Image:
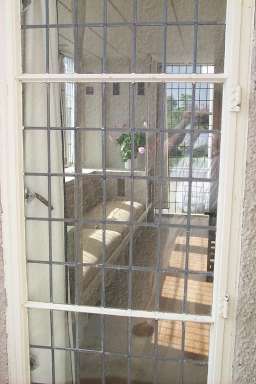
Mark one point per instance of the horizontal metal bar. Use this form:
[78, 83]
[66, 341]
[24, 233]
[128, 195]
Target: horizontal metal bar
[169, 131]
[121, 354]
[125, 175]
[120, 312]
[123, 24]
[133, 268]
[121, 78]
[135, 224]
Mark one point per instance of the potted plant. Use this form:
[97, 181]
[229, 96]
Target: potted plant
[125, 142]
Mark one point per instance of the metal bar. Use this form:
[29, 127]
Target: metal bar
[121, 312]
[142, 225]
[118, 129]
[120, 354]
[122, 24]
[104, 166]
[110, 176]
[124, 268]
[122, 78]
[49, 222]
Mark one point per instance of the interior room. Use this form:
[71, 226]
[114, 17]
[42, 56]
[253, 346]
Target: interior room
[127, 172]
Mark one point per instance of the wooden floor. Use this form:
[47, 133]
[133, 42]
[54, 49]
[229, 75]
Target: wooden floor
[170, 333]
[199, 298]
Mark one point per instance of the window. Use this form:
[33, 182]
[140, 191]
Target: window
[107, 258]
[116, 89]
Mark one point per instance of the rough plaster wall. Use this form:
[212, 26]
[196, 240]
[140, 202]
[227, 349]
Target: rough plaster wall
[244, 367]
[3, 338]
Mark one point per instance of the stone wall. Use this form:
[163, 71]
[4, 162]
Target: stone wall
[244, 365]
[3, 337]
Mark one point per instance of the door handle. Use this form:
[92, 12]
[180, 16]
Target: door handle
[29, 196]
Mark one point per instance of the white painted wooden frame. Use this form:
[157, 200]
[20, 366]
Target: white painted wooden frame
[234, 131]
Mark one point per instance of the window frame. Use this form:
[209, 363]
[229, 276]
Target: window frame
[239, 29]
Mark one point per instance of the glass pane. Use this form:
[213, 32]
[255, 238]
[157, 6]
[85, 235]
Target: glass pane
[172, 247]
[35, 161]
[143, 290]
[90, 285]
[168, 371]
[63, 11]
[39, 336]
[120, 11]
[214, 11]
[90, 50]
[61, 41]
[63, 284]
[33, 12]
[37, 240]
[169, 339]
[149, 49]
[147, 11]
[179, 105]
[116, 367]
[90, 11]
[195, 373]
[181, 10]
[211, 46]
[90, 367]
[34, 45]
[143, 337]
[63, 324]
[118, 111]
[90, 336]
[38, 282]
[199, 294]
[197, 338]
[171, 292]
[118, 49]
[116, 288]
[179, 48]
[116, 334]
[64, 364]
[142, 368]
[41, 365]
[36, 196]
[35, 116]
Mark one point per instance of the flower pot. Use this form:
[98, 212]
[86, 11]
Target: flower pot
[127, 164]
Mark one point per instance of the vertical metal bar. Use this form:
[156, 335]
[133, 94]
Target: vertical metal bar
[104, 184]
[50, 223]
[134, 38]
[165, 32]
[160, 200]
[77, 211]
[132, 95]
[75, 25]
[105, 37]
[78, 184]
[183, 335]
[47, 49]
[104, 211]
[196, 8]
[155, 378]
